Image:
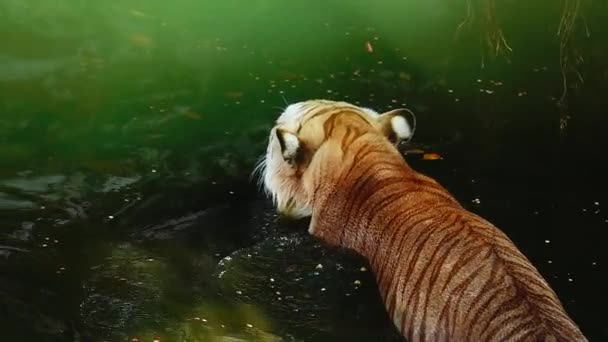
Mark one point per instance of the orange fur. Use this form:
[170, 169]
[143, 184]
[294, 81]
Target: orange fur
[444, 273]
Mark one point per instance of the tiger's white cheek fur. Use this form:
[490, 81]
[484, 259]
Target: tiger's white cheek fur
[284, 185]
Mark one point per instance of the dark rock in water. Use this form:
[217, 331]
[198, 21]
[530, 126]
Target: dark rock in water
[24, 321]
[7, 251]
[24, 232]
[35, 185]
[210, 219]
[115, 183]
[30, 306]
[8, 202]
[202, 217]
[174, 227]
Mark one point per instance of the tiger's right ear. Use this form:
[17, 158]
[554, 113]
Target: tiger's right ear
[290, 145]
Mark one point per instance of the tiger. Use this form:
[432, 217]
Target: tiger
[443, 272]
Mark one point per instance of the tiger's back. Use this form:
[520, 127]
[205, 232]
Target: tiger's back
[456, 276]
[459, 277]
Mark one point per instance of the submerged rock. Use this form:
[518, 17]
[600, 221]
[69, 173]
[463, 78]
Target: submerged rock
[123, 293]
[307, 290]
[135, 295]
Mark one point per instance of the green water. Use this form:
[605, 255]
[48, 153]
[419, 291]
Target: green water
[129, 129]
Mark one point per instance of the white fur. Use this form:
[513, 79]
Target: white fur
[289, 117]
[280, 182]
[401, 127]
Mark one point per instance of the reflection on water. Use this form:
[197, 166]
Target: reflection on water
[128, 132]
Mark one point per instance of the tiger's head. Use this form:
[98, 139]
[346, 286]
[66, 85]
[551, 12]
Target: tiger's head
[298, 149]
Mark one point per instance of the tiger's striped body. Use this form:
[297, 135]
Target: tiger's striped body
[444, 273]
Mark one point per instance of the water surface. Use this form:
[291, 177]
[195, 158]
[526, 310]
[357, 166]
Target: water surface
[129, 131]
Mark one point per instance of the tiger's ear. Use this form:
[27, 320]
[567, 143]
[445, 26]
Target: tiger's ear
[398, 124]
[290, 145]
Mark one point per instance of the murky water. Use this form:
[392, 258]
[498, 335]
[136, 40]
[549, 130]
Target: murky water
[129, 130]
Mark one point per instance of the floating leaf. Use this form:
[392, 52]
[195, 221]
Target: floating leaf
[431, 156]
[414, 151]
